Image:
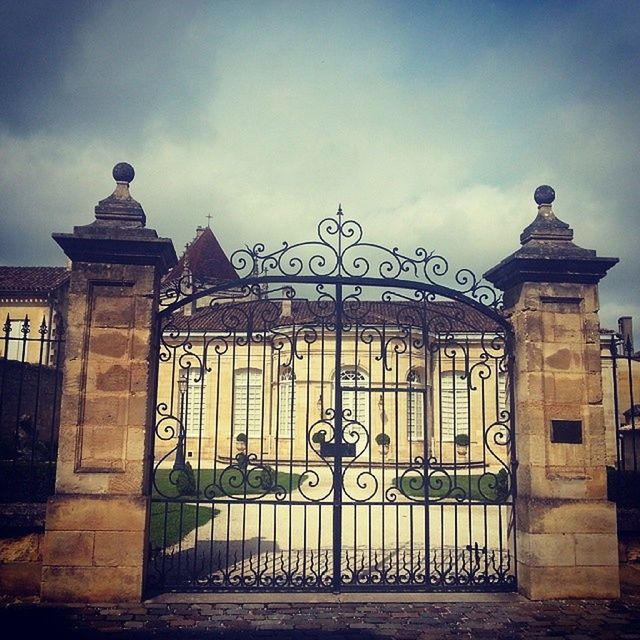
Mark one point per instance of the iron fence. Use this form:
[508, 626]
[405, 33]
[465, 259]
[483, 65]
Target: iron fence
[30, 394]
[626, 402]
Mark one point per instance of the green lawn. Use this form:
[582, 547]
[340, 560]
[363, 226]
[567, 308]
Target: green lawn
[172, 521]
[230, 481]
[178, 518]
[488, 488]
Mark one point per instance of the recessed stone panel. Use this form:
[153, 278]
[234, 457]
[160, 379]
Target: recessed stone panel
[566, 431]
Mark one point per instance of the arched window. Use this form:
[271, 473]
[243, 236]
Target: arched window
[286, 403]
[415, 405]
[247, 402]
[454, 405]
[192, 399]
[355, 402]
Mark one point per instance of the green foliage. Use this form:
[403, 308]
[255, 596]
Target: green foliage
[319, 437]
[383, 439]
[502, 486]
[227, 481]
[462, 440]
[486, 488]
[268, 477]
[186, 481]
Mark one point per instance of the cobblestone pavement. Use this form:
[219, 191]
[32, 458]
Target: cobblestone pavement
[503, 619]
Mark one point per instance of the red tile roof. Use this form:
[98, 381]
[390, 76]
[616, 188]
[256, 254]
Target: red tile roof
[205, 259]
[32, 279]
[260, 315]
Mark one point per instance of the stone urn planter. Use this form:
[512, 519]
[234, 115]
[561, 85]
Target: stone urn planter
[383, 441]
[241, 442]
[462, 445]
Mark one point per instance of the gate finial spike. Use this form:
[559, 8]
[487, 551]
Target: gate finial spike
[340, 209]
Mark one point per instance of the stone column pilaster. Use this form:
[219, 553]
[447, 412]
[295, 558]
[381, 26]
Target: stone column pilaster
[95, 536]
[565, 527]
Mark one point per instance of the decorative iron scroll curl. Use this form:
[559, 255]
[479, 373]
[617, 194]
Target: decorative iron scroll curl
[341, 251]
[440, 484]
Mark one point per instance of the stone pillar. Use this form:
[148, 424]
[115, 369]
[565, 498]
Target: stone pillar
[95, 537]
[565, 527]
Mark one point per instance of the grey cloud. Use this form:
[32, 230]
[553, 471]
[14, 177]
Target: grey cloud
[102, 68]
[37, 40]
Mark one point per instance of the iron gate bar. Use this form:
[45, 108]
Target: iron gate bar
[337, 459]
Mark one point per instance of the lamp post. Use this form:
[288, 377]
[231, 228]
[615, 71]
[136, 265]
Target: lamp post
[183, 383]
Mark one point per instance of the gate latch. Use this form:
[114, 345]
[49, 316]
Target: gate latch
[333, 450]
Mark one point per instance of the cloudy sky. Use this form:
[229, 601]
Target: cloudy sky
[432, 122]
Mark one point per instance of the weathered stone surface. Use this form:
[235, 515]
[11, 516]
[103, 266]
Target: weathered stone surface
[68, 548]
[106, 409]
[106, 342]
[113, 308]
[20, 578]
[112, 377]
[545, 583]
[596, 549]
[91, 584]
[561, 515]
[118, 548]
[102, 448]
[547, 549]
[96, 513]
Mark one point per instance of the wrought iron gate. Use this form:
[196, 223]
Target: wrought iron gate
[334, 419]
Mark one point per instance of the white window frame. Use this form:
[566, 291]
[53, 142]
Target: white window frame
[454, 405]
[415, 405]
[356, 401]
[247, 402]
[194, 400]
[286, 403]
[16, 341]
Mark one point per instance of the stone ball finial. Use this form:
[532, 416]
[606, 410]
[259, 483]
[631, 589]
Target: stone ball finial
[544, 194]
[123, 172]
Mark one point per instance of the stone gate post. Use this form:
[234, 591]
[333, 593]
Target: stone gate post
[95, 526]
[565, 527]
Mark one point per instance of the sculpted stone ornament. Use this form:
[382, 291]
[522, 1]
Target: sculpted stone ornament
[544, 194]
[120, 208]
[118, 235]
[548, 253]
[123, 172]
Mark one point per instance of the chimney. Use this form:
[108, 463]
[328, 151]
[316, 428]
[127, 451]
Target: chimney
[625, 329]
[286, 302]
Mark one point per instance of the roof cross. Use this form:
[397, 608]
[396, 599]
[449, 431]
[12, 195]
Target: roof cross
[209, 216]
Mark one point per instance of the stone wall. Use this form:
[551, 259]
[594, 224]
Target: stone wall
[21, 537]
